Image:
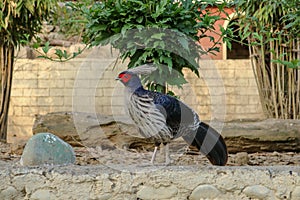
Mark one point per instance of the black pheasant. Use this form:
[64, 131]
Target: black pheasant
[163, 118]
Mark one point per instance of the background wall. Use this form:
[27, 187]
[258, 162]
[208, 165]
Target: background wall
[87, 84]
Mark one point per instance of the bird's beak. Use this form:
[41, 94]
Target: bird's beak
[117, 78]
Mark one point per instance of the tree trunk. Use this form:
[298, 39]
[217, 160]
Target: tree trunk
[6, 63]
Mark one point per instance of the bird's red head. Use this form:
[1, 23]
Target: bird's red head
[124, 77]
[129, 79]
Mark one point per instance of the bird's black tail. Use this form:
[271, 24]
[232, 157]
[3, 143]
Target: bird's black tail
[209, 142]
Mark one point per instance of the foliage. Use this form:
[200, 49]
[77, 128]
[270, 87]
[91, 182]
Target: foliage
[272, 29]
[70, 23]
[69, 20]
[20, 20]
[150, 31]
[60, 55]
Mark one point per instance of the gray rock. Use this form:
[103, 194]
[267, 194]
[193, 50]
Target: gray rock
[43, 194]
[241, 158]
[9, 193]
[105, 197]
[46, 148]
[102, 130]
[148, 192]
[296, 193]
[204, 192]
[257, 191]
[263, 135]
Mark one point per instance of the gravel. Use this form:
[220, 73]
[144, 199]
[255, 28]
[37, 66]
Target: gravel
[181, 157]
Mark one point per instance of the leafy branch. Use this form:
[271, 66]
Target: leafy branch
[61, 55]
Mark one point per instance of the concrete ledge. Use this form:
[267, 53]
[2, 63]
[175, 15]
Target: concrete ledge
[148, 182]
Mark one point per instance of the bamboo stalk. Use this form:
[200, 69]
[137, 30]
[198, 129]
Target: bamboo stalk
[275, 105]
[293, 95]
[278, 78]
[10, 66]
[258, 78]
[264, 82]
[284, 81]
[4, 77]
[2, 59]
[289, 93]
[294, 79]
[7, 61]
[298, 79]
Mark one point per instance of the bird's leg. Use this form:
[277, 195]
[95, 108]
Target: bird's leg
[154, 154]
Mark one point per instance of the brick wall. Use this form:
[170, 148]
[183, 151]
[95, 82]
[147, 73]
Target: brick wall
[87, 84]
[236, 91]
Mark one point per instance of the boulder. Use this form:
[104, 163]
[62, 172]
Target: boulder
[262, 135]
[46, 148]
[85, 129]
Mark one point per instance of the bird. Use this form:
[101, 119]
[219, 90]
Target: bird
[162, 118]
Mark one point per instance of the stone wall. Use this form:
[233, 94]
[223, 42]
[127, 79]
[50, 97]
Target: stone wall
[87, 84]
[132, 182]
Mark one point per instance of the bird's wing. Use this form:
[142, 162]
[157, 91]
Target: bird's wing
[148, 117]
[179, 117]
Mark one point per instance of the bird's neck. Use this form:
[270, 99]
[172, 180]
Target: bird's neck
[134, 84]
[135, 89]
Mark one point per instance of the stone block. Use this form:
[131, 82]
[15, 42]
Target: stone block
[71, 75]
[43, 74]
[9, 193]
[15, 110]
[20, 83]
[61, 92]
[228, 73]
[148, 192]
[296, 193]
[103, 101]
[50, 101]
[44, 83]
[43, 194]
[205, 192]
[22, 120]
[35, 92]
[257, 192]
[68, 100]
[69, 83]
[84, 92]
[31, 110]
[17, 92]
[30, 75]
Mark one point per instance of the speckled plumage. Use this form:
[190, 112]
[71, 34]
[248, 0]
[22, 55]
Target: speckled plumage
[160, 116]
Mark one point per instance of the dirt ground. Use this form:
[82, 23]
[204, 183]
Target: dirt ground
[182, 156]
